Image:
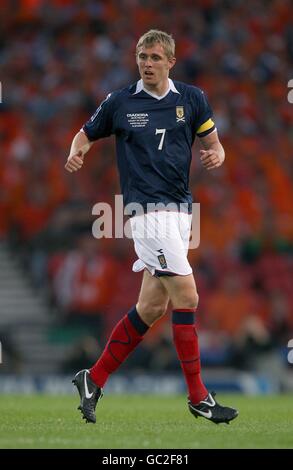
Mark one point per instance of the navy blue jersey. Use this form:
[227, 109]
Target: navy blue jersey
[153, 139]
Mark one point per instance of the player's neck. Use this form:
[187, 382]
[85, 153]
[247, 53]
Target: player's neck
[159, 89]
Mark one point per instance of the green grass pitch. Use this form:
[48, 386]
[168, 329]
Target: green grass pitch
[143, 422]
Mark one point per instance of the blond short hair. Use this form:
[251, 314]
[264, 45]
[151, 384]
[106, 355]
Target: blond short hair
[155, 36]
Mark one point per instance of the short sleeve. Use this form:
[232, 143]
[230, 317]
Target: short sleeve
[101, 123]
[204, 122]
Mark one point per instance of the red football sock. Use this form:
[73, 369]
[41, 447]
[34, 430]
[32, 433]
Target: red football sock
[126, 335]
[186, 342]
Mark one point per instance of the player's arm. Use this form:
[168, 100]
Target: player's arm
[99, 125]
[213, 155]
[79, 147]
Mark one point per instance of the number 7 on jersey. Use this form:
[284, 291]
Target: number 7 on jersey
[163, 132]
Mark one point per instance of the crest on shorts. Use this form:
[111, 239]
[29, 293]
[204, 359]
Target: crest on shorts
[180, 114]
[162, 260]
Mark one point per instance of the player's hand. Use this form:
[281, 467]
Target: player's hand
[211, 159]
[74, 162]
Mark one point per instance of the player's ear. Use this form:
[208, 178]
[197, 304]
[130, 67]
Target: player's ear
[172, 62]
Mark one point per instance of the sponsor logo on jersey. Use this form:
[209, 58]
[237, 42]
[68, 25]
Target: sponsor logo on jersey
[180, 114]
[138, 119]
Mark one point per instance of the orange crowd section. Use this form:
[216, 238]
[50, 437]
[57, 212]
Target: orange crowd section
[59, 59]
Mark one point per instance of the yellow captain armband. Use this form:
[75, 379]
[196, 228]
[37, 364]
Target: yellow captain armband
[206, 128]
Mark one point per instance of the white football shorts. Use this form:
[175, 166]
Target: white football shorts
[161, 240]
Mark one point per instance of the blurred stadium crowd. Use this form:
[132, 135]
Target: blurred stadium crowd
[59, 59]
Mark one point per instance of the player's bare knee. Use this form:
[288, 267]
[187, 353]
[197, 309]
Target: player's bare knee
[151, 312]
[186, 301]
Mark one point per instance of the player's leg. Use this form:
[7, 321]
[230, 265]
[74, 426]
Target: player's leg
[181, 290]
[153, 299]
[183, 294]
[126, 335]
[184, 298]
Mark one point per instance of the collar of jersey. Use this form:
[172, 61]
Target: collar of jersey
[140, 87]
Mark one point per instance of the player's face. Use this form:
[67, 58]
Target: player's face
[154, 65]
